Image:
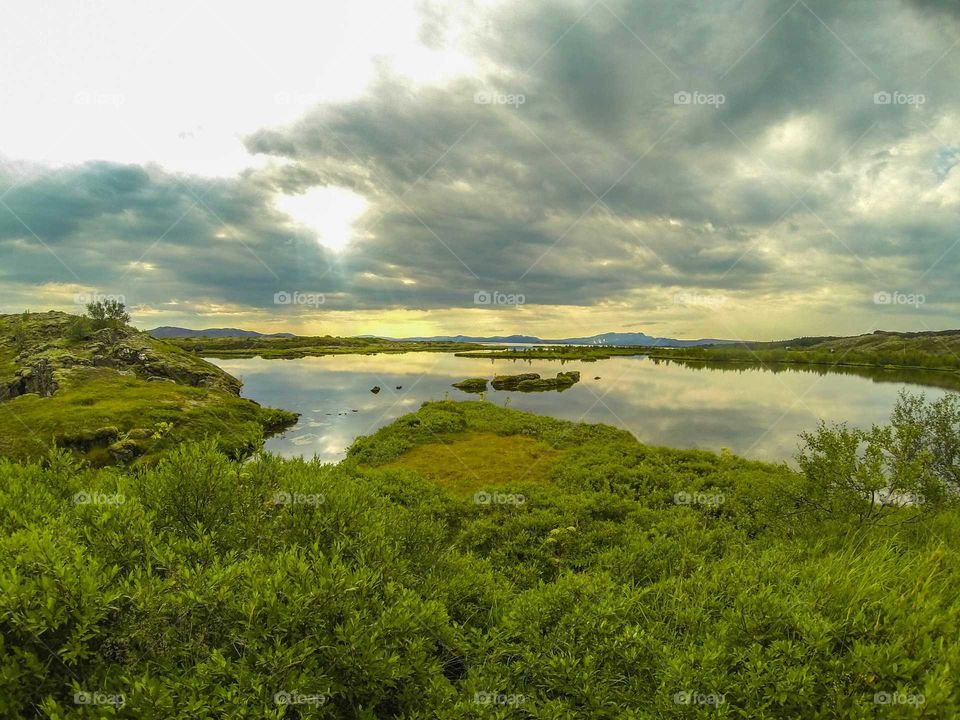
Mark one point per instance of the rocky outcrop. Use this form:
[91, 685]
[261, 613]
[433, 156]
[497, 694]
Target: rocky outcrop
[37, 379]
[49, 347]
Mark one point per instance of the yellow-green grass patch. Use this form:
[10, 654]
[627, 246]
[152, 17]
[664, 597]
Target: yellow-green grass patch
[480, 461]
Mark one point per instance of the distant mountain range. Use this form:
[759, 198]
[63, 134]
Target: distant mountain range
[602, 339]
[612, 338]
[168, 331]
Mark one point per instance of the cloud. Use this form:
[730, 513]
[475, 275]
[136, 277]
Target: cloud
[606, 154]
[948, 7]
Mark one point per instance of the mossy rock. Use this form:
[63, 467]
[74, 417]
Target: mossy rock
[512, 382]
[106, 433]
[140, 434]
[125, 450]
[472, 385]
[562, 381]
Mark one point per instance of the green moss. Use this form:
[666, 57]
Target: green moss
[94, 397]
[472, 385]
[101, 403]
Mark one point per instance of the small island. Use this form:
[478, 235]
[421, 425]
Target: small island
[532, 382]
[472, 385]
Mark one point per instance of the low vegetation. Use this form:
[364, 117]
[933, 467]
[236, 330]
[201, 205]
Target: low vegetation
[305, 346]
[934, 355]
[470, 561]
[112, 394]
[926, 351]
[583, 353]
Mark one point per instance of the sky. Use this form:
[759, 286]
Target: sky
[744, 169]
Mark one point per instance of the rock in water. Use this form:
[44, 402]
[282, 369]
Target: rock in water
[472, 385]
[511, 382]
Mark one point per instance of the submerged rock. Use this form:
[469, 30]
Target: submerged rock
[472, 385]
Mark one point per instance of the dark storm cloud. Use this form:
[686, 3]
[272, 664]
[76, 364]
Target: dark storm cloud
[569, 172]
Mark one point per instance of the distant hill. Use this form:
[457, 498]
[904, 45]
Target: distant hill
[167, 332]
[612, 338]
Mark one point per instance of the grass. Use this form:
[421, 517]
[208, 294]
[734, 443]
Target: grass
[305, 346]
[116, 395]
[191, 591]
[931, 351]
[583, 353]
[94, 398]
[480, 461]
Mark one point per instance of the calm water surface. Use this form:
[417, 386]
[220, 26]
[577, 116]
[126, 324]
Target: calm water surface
[752, 411]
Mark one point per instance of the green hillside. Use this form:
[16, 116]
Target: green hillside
[114, 394]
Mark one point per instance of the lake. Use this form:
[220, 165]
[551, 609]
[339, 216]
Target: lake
[753, 411]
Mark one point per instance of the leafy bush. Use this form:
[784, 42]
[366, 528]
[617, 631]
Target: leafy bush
[108, 313]
[210, 587]
[890, 473]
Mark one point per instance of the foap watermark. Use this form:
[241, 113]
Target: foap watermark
[99, 99]
[899, 98]
[284, 297]
[96, 697]
[485, 697]
[86, 497]
[699, 498]
[298, 698]
[282, 497]
[883, 297]
[693, 299]
[493, 97]
[691, 697]
[695, 97]
[495, 297]
[497, 498]
[95, 297]
[898, 698]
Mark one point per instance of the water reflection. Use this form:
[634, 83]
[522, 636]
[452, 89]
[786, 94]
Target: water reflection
[755, 411]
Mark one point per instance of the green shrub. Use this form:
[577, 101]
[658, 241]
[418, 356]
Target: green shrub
[209, 587]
